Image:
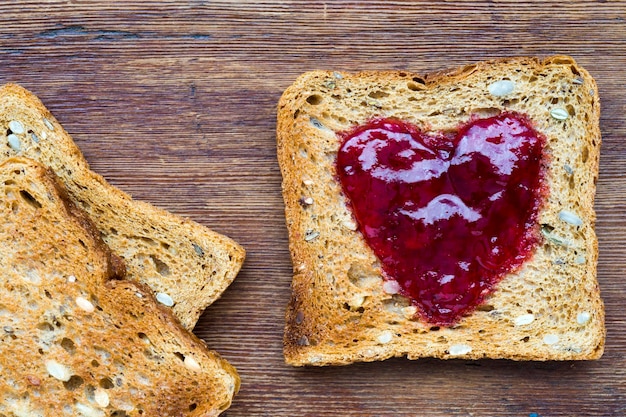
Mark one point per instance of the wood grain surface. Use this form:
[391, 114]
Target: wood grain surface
[174, 102]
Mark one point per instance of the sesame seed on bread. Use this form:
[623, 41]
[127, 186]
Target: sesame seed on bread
[343, 308]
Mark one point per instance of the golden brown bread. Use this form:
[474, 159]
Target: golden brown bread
[340, 311]
[187, 265]
[75, 338]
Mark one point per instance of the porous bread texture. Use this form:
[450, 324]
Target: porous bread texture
[73, 340]
[340, 311]
[182, 261]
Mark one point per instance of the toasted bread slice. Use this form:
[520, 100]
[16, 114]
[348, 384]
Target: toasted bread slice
[186, 264]
[340, 310]
[76, 341]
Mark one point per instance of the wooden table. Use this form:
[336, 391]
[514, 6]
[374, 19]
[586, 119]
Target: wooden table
[174, 102]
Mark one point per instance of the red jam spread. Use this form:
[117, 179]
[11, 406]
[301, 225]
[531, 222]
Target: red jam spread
[447, 214]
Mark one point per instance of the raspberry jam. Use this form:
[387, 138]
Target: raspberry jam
[448, 215]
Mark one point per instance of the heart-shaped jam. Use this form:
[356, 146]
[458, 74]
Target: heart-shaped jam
[447, 214]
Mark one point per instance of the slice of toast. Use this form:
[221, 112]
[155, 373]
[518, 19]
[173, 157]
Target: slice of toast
[74, 339]
[186, 264]
[344, 308]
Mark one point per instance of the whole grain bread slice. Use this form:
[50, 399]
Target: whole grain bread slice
[340, 312]
[187, 265]
[75, 337]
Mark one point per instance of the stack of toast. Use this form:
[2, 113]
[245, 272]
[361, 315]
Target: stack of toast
[100, 291]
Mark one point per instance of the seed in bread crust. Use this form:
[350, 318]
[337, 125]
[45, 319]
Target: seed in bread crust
[88, 411]
[14, 142]
[58, 371]
[571, 218]
[568, 169]
[524, 319]
[191, 364]
[16, 127]
[559, 114]
[198, 249]
[317, 123]
[550, 339]
[85, 304]
[583, 318]
[311, 235]
[101, 397]
[459, 349]
[48, 124]
[409, 312]
[299, 317]
[391, 287]
[558, 240]
[357, 301]
[501, 88]
[350, 225]
[385, 337]
[164, 299]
